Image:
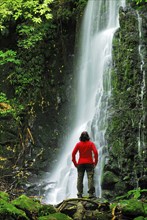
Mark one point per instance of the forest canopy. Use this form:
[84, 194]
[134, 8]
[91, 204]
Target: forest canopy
[23, 23]
[27, 16]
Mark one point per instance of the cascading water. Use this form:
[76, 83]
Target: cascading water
[94, 89]
[141, 142]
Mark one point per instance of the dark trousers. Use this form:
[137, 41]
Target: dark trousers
[89, 168]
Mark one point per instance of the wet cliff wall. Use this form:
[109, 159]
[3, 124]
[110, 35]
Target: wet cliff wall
[127, 131]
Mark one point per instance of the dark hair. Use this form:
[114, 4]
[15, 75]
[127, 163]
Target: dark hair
[84, 136]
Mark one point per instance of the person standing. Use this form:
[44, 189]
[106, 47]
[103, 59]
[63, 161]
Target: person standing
[88, 159]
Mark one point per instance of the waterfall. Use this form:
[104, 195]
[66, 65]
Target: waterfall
[141, 142]
[93, 91]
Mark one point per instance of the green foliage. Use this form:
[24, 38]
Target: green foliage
[30, 38]
[8, 56]
[3, 98]
[25, 74]
[30, 35]
[10, 107]
[70, 9]
[139, 1]
[28, 76]
[135, 193]
[31, 14]
[30, 20]
[25, 9]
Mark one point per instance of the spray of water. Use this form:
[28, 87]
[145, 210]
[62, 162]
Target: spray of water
[93, 91]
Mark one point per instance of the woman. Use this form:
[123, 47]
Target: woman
[88, 159]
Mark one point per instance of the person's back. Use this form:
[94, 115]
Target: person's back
[88, 158]
[86, 150]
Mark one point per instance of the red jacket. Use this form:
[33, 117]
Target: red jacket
[86, 150]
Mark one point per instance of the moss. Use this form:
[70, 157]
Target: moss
[102, 216]
[120, 188]
[145, 208]
[33, 206]
[132, 207]
[109, 180]
[140, 218]
[26, 203]
[9, 211]
[4, 196]
[56, 216]
[46, 210]
[117, 148]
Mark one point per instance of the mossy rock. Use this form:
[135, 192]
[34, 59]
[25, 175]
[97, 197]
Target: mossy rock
[145, 208]
[120, 187]
[31, 206]
[46, 210]
[133, 208]
[28, 204]
[109, 180]
[94, 215]
[9, 211]
[140, 218]
[4, 196]
[55, 216]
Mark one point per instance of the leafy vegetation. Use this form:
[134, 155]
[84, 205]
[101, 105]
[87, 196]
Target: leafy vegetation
[11, 107]
[138, 4]
[135, 193]
[31, 32]
[9, 56]
[139, 1]
[31, 10]
[29, 21]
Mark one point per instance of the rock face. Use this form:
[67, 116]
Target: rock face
[127, 133]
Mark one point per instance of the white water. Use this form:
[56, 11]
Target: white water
[141, 142]
[93, 91]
